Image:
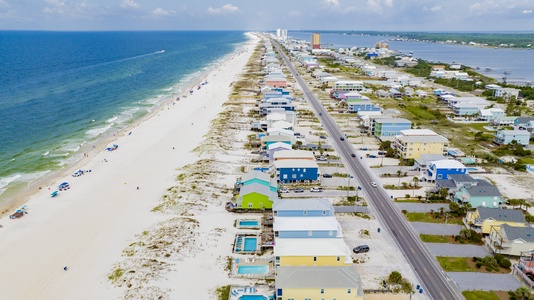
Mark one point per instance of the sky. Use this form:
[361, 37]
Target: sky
[379, 15]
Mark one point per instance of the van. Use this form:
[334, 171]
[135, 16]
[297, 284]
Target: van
[361, 249]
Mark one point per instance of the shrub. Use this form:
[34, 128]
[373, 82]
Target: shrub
[395, 278]
[404, 211]
[478, 265]
[505, 263]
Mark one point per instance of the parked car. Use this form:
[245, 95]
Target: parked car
[284, 190]
[382, 152]
[320, 114]
[322, 137]
[374, 184]
[353, 155]
[327, 175]
[364, 149]
[361, 249]
[372, 156]
[342, 138]
[322, 158]
[299, 190]
[316, 189]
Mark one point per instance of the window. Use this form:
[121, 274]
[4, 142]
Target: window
[324, 212]
[250, 204]
[315, 258]
[338, 258]
[305, 212]
[261, 204]
[310, 233]
[294, 176]
[440, 176]
[349, 291]
[330, 233]
[304, 170]
[322, 291]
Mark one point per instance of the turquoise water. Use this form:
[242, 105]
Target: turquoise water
[248, 223]
[252, 297]
[252, 269]
[61, 91]
[251, 244]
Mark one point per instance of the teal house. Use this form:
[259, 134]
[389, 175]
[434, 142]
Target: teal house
[480, 193]
[260, 178]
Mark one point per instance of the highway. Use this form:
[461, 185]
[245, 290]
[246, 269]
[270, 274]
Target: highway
[435, 282]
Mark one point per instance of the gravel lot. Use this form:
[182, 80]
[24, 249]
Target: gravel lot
[441, 229]
[485, 282]
[453, 250]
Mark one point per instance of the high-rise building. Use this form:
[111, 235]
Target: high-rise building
[316, 41]
[281, 33]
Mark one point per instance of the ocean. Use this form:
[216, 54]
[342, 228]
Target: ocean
[62, 91]
[517, 63]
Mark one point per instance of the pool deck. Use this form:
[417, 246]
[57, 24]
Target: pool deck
[252, 261]
[239, 247]
[237, 291]
[257, 226]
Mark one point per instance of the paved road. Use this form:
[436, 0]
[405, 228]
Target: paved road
[456, 250]
[441, 229]
[485, 282]
[437, 285]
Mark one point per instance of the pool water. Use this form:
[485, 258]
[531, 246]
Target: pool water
[252, 297]
[248, 223]
[251, 244]
[252, 269]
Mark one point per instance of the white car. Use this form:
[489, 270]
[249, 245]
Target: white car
[374, 184]
[284, 190]
[316, 189]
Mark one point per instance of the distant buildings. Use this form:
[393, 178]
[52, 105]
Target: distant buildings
[316, 41]
[281, 33]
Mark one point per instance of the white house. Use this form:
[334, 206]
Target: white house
[490, 114]
[505, 137]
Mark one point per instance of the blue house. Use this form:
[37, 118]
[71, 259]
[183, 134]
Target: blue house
[481, 193]
[442, 169]
[505, 137]
[309, 227]
[296, 170]
[390, 126]
[303, 208]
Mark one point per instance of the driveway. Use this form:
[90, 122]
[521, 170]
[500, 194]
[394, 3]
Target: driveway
[454, 250]
[485, 282]
[421, 207]
[441, 229]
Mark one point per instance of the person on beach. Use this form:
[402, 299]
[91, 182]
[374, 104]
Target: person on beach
[65, 268]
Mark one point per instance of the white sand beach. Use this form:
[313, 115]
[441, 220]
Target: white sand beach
[87, 227]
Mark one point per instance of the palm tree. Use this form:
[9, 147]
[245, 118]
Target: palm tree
[399, 172]
[415, 181]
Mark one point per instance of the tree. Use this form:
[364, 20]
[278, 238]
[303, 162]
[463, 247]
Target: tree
[454, 207]
[465, 233]
[399, 173]
[395, 277]
[415, 181]
[522, 293]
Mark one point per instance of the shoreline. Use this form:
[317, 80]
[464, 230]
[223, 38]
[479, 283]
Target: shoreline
[88, 227]
[47, 181]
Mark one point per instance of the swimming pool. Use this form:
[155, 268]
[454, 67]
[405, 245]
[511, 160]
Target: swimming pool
[251, 244]
[252, 297]
[252, 269]
[248, 223]
[472, 169]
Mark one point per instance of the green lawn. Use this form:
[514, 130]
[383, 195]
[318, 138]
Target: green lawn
[454, 264]
[430, 238]
[420, 113]
[479, 295]
[426, 217]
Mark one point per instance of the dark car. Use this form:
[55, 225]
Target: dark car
[342, 138]
[320, 114]
[299, 190]
[353, 155]
[361, 249]
[327, 175]
[322, 137]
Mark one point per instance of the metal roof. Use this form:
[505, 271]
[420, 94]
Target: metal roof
[295, 163]
[305, 223]
[303, 204]
[311, 247]
[318, 277]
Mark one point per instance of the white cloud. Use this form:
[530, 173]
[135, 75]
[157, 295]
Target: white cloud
[527, 12]
[129, 4]
[295, 13]
[334, 3]
[227, 8]
[4, 4]
[374, 5]
[436, 8]
[162, 12]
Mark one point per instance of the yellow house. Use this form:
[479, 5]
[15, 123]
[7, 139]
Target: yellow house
[483, 218]
[311, 252]
[411, 143]
[316, 283]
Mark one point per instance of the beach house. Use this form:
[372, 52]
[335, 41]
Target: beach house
[505, 137]
[303, 208]
[389, 127]
[293, 154]
[490, 114]
[340, 283]
[360, 104]
[348, 85]
[411, 143]
[481, 193]
[442, 169]
[271, 139]
[307, 227]
[311, 252]
[260, 178]
[275, 147]
[295, 170]
[455, 182]
[256, 196]
[483, 218]
[510, 240]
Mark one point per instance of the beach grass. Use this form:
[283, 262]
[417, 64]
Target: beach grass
[431, 238]
[223, 292]
[454, 264]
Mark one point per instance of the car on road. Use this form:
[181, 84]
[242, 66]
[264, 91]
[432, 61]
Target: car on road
[299, 190]
[322, 137]
[316, 189]
[322, 158]
[320, 114]
[374, 184]
[284, 190]
[361, 249]
[342, 138]
[353, 155]
[327, 175]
